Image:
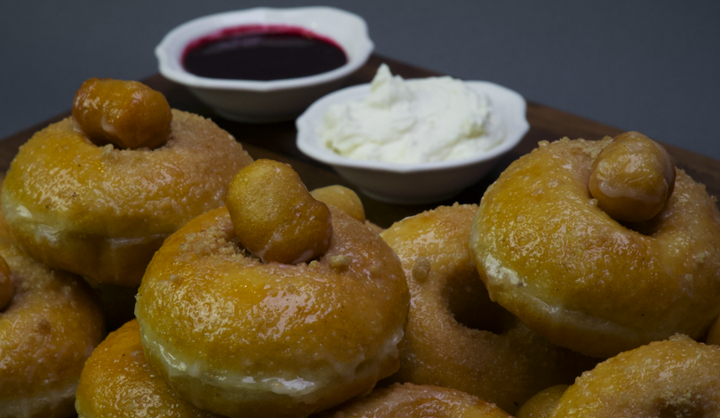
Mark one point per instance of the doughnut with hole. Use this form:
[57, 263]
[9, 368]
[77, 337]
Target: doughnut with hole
[48, 329]
[118, 382]
[408, 400]
[552, 256]
[677, 377]
[456, 337]
[241, 337]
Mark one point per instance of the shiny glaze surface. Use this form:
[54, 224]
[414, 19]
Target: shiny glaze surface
[102, 212]
[674, 378]
[415, 401]
[117, 382]
[280, 339]
[456, 337]
[573, 274]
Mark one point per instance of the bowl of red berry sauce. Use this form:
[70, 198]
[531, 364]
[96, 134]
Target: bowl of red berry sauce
[265, 64]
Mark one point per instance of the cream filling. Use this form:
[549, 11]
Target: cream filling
[55, 236]
[29, 406]
[305, 385]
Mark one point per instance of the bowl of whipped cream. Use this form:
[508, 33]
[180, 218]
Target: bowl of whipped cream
[413, 141]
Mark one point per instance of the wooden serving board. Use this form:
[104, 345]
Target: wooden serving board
[277, 141]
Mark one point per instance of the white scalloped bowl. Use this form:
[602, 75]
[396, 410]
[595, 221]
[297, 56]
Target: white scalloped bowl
[266, 101]
[414, 183]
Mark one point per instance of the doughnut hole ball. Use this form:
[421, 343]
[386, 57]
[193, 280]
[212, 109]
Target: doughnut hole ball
[632, 178]
[127, 114]
[342, 198]
[274, 215]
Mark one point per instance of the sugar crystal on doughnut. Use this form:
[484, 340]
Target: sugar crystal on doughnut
[677, 377]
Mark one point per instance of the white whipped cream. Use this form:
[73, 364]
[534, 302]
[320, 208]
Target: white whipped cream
[414, 121]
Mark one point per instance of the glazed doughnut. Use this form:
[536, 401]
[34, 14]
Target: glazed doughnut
[7, 285]
[48, 329]
[240, 337]
[347, 201]
[102, 212]
[117, 382]
[412, 401]
[580, 278]
[456, 337]
[674, 378]
[342, 198]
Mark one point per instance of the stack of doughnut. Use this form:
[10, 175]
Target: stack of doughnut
[277, 305]
[581, 284]
[97, 193]
[50, 322]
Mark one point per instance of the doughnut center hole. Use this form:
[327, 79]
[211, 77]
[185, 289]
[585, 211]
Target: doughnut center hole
[469, 303]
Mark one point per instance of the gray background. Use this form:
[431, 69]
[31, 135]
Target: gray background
[650, 66]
